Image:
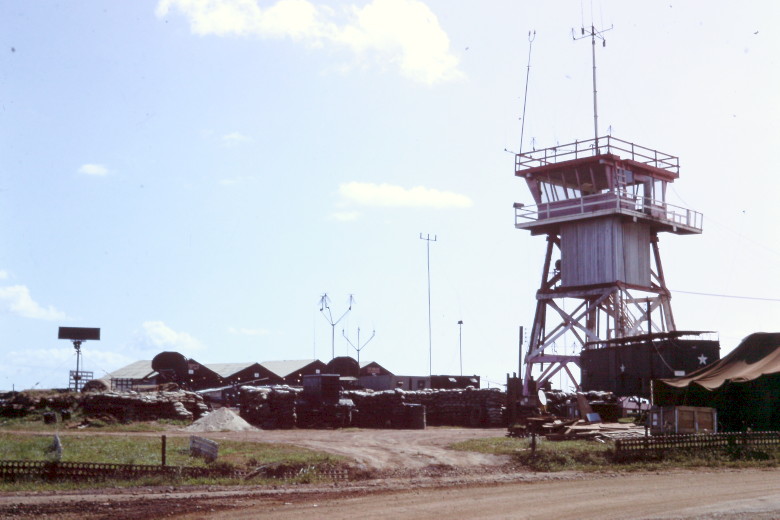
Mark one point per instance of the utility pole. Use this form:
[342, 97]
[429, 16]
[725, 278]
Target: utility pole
[325, 305]
[428, 241]
[460, 344]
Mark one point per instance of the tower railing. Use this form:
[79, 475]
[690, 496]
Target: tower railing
[594, 147]
[605, 203]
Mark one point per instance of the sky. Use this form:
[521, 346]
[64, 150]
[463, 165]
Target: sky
[194, 175]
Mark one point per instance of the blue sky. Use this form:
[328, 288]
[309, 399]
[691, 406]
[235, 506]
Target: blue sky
[193, 175]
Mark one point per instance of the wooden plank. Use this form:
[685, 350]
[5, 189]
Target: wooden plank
[203, 447]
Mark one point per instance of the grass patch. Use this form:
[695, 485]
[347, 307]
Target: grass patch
[35, 423]
[119, 449]
[98, 448]
[596, 456]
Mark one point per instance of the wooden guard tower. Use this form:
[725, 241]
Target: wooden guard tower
[601, 203]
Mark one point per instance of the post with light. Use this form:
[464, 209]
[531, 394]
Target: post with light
[460, 344]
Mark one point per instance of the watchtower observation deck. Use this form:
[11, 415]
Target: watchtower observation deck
[601, 177]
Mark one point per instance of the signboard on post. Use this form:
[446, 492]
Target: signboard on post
[203, 447]
[79, 333]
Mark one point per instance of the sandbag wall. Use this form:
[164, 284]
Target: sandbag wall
[147, 406]
[269, 407]
[378, 409]
[467, 407]
[20, 404]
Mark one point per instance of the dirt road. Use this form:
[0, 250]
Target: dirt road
[681, 495]
[742, 494]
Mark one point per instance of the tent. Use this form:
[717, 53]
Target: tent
[744, 386]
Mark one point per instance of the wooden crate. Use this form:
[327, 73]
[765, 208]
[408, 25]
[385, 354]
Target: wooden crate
[682, 419]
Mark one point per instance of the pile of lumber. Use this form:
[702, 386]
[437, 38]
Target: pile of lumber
[579, 429]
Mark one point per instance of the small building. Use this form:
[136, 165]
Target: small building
[626, 366]
[390, 381]
[134, 375]
[454, 382]
[189, 374]
[372, 368]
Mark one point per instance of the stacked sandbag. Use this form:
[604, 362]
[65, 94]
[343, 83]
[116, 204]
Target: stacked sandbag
[20, 404]
[269, 407]
[461, 407]
[562, 404]
[383, 409]
[390, 408]
[146, 406]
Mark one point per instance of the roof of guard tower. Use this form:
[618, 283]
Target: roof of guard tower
[591, 178]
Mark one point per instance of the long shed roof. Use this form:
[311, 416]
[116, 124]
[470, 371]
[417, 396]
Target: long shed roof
[287, 367]
[228, 369]
[138, 370]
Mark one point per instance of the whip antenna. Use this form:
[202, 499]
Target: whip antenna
[531, 38]
[593, 34]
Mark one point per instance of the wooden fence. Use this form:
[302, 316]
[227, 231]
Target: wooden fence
[709, 441]
[21, 469]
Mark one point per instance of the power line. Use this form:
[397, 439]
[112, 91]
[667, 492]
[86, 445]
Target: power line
[729, 296]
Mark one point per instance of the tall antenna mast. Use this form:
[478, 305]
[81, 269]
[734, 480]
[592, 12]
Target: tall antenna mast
[531, 39]
[428, 241]
[325, 305]
[593, 34]
[359, 347]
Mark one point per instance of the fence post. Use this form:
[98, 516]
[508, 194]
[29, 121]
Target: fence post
[163, 449]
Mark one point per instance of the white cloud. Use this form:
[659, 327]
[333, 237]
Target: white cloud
[97, 170]
[157, 336]
[247, 332]
[235, 138]
[388, 195]
[404, 33]
[4, 274]
[16, 299]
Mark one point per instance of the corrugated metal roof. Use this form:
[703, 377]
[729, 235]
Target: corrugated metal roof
[285, 368]
[228, 369]
[137, 370]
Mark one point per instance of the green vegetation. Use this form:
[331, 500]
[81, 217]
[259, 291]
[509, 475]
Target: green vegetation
[596, 456]
[35, 423]
[277, 460]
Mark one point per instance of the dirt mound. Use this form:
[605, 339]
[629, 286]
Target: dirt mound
[220, 420]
